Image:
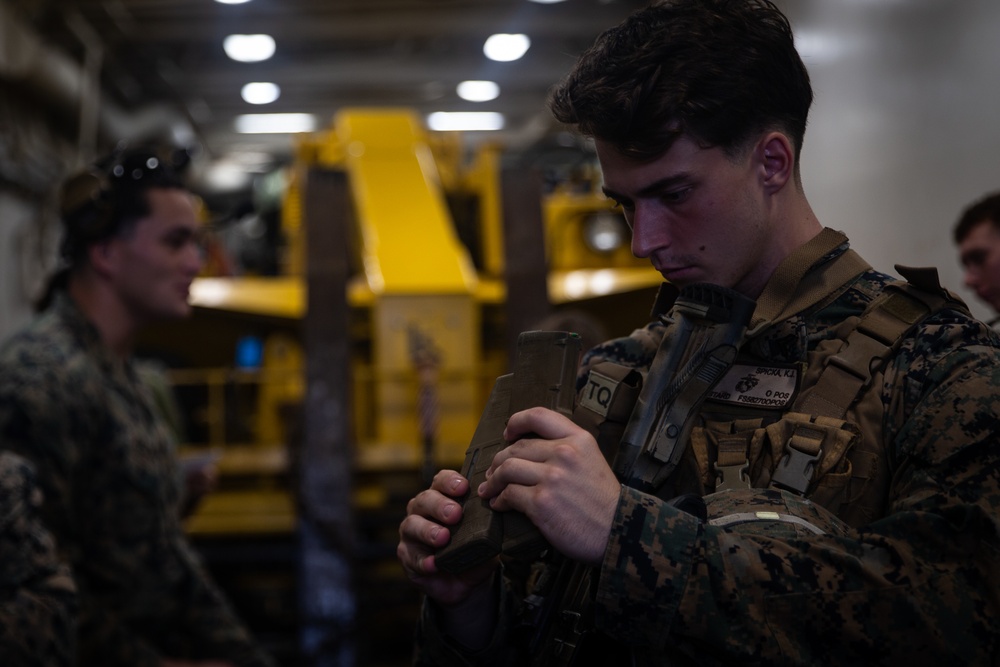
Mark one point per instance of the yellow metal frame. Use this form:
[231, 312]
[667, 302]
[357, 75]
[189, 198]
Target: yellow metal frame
[415, 274]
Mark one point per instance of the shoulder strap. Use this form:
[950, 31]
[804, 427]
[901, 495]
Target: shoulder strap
[848, 372]
[793, 287]
[881, 326]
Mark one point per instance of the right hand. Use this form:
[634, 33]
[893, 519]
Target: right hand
[425, 530]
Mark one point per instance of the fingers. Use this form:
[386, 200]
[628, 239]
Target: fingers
[450, 483]
[541, 422]
[418, 540]
[424, 530]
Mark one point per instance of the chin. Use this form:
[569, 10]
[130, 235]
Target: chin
[178, 312]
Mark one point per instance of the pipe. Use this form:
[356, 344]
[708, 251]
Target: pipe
[26, 59]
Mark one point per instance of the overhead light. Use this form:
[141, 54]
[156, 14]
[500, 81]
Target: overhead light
[240, 2]
[260, 92]
[253, 161]
[225, 175]
[470, 121]
[505, 47]
[478, 91]
[275, 123]
[541, 2]
[249, 48]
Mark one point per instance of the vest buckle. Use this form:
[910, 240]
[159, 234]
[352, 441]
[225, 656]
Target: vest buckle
[794, 472]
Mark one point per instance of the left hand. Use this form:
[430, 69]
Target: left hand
[556, 475]
[201, 476]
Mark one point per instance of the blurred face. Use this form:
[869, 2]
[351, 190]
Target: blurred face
[156, 260]
[698, 215]
[980, 256]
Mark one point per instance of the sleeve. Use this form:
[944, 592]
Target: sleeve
[37, 595]
[921, 585]
[44, 414]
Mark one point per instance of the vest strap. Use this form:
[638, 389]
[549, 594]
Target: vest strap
[848, 372]
[790, 290]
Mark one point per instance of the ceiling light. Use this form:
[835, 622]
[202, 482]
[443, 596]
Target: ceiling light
[478, 91]
[465, 120]
[249, 48]
[260, 92]
[240, 2]
[541, 2]
[504, 47]
[275, 123]
[224, 175]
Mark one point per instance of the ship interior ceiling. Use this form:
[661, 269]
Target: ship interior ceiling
[371, 266]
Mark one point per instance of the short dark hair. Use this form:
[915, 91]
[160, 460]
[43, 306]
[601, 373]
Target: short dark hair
[720, 71]
[986, 209]
[107, 198]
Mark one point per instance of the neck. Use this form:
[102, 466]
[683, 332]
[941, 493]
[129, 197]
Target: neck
[116, 326]
[794, 225]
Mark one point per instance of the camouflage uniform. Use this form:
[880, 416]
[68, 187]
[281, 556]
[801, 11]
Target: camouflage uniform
[907, 569]
[37, 595]
[107, 467]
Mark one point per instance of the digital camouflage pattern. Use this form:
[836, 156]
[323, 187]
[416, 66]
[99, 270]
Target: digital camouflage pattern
[37, 595]
[107, 468]
[917, 582]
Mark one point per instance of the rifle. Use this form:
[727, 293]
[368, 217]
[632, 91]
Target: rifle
[544, 375]
[699, 346]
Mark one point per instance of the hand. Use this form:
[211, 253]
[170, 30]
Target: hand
[200, 481]
[555, 473]
[424, 531]
[201, 476]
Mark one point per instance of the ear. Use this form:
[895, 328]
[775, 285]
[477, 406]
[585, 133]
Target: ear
[102, 257]
[776, 157]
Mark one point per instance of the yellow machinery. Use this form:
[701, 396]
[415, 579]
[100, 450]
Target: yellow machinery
[427, 306]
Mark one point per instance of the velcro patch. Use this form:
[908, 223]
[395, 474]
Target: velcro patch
[598, 393]
[759, 386]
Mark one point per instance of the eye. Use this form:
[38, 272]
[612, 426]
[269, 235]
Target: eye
[675, 196]
[179, 239]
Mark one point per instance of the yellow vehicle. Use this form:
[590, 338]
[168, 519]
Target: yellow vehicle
[428, 298]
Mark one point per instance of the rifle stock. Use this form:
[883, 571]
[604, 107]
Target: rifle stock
[545, 376]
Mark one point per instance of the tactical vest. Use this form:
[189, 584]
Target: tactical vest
[813, 429]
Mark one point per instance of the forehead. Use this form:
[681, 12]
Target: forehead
[171, 206]
[684, 158]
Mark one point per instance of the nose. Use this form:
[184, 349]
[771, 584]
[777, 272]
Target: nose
[193, 259]
[648, 233]
[971, 279]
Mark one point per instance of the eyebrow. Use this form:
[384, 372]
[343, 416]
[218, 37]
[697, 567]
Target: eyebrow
[975, 255]
[656, 186]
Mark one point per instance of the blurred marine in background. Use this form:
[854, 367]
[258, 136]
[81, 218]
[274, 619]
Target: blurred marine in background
[72, 403]
[977, 235]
